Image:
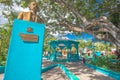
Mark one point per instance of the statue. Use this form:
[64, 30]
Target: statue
[31, 15]
[26, 42]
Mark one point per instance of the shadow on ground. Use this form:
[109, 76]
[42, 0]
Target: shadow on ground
[81, 71]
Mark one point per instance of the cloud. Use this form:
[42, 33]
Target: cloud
[2, 19]
[15, 8]
[19, 9]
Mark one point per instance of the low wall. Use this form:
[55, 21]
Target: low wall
[2, 68]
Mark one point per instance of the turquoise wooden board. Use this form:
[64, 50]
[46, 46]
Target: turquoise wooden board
[24, 58]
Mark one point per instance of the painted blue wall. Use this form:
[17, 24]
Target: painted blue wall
[24, 58]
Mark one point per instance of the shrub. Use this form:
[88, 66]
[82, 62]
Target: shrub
[105, 62]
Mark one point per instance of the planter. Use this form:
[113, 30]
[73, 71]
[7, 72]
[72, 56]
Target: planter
[109, 73]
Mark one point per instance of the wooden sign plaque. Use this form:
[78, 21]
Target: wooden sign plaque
[29, 37]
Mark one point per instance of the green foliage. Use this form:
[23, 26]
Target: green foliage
[6, 2]
[4, 43]
[115, 18]
[105, 62]
[46, 41]
[84, 44]
[99, 46]
[50, 10]
[112, 56]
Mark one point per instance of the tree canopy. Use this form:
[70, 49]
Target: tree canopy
[101, 19]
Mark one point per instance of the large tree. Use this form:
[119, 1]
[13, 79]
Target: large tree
[100, 27]
[99, 19]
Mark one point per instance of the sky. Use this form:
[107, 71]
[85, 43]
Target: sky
[70, 36]
[2, 19]
[15, 7]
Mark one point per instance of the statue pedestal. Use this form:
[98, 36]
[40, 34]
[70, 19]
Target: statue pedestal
[24, 60]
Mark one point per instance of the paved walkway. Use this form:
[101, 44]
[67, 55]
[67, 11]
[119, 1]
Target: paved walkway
[85, 73]
[77, 68]
[81, 71]
[54, 74]
[1, 76]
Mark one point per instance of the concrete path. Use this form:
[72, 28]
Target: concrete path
[77, 68]
[85, 73]
[54, 74]
[1, 76]
[81, 71]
